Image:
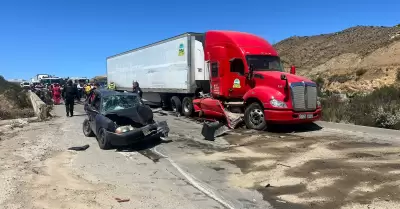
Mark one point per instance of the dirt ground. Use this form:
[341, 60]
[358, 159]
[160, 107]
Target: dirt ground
[314, 172]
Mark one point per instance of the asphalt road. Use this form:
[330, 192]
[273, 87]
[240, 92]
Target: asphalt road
[295, 167]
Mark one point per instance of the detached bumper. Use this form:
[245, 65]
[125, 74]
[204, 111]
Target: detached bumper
[158, 129]
[291, 117]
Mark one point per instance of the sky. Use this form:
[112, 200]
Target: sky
[74, 37]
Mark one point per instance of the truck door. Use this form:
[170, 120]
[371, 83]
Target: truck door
[237, 79]
[214, 77]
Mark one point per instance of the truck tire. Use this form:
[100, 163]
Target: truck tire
[104, 142]
[187, 107]
[176, 104]
[254, 117]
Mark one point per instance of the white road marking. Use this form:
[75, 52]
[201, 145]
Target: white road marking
[191, 179]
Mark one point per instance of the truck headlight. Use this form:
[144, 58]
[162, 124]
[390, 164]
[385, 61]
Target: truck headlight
[123, 129]
[277, 103]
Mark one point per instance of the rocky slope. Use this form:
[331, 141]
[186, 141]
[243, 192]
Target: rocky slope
[356, 59]
[14, 102]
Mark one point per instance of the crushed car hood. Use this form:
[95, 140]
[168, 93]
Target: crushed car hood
[139, 114]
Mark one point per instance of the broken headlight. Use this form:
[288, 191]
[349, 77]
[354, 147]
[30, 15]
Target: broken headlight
[123, 129]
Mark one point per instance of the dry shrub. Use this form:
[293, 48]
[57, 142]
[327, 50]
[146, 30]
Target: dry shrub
[380, 109]
[361, 72]
[14, 101]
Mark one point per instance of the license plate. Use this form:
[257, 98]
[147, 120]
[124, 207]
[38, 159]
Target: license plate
[146, 131]
[304, 116]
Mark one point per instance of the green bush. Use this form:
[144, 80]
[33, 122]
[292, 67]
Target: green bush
[381, 108]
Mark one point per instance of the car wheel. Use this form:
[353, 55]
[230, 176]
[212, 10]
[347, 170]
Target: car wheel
[187, 106]
[254, 117]
[87, 130]
[103, 141]
[176, 104]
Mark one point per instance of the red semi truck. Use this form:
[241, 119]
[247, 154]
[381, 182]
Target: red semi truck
[215, 74]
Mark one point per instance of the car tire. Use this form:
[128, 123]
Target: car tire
[176, 104]
[87, 130]
[103, 141]
[187, 107]
[254, 117]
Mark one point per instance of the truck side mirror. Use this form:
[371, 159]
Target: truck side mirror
[293, 69]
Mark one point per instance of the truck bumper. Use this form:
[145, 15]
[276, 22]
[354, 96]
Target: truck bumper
[291, 117]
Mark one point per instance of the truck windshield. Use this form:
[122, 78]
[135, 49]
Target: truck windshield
[264, 62]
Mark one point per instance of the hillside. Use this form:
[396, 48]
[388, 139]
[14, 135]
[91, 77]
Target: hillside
[14, 103]
[360, 58]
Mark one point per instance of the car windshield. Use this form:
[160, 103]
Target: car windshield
[264, 62]
[120, 102]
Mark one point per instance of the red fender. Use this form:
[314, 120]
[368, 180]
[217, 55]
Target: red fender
[211, 108]
[263, 94]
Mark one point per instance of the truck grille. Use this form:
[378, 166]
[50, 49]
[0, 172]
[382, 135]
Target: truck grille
[304, 96]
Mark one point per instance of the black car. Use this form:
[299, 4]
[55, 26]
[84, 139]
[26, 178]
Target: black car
[120, 119]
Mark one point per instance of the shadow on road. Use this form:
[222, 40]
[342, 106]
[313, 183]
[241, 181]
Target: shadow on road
[290, 128]
[144, 148]
[143, 145]
[80, 115]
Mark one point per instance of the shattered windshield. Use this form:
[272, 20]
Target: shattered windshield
[120, 102]
[264, 62]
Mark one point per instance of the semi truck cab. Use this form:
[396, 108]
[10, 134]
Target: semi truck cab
[246, 70]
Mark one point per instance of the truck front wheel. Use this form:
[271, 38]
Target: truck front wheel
[254, 117]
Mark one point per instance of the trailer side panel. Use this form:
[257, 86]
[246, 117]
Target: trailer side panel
[164, 67]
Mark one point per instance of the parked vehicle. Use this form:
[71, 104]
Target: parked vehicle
[119, 119]
[25, 85]
[215, 74]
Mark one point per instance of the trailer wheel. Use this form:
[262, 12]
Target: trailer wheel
[176, 104]
[254, 117]
[187, 106]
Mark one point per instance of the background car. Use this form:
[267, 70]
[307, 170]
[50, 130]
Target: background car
[120, 119]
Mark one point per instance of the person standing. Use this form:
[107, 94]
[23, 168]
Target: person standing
[79, 86]
[56, 94]
[111, 86]
[136, 89]
[69, 93]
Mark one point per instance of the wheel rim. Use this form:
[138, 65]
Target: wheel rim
[173, 106]
[186, 107]
[256, 117]
[86, 127]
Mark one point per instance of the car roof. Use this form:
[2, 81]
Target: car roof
[106, 92]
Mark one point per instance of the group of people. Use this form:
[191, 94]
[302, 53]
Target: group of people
[135, 87]
[72, 91]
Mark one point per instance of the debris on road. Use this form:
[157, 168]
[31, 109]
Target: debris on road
[81, 148]
[160, 111]
[121, 200]
[212, 130]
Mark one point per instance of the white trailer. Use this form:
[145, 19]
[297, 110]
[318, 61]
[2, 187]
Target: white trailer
[172, 67]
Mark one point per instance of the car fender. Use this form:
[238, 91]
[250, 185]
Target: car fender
[104, 122]
[263, 94]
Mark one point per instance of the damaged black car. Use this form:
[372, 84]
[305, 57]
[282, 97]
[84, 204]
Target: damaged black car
[120, 119]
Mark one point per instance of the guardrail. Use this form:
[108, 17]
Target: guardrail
[39, 107]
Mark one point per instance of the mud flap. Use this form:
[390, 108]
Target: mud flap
[212, 130]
